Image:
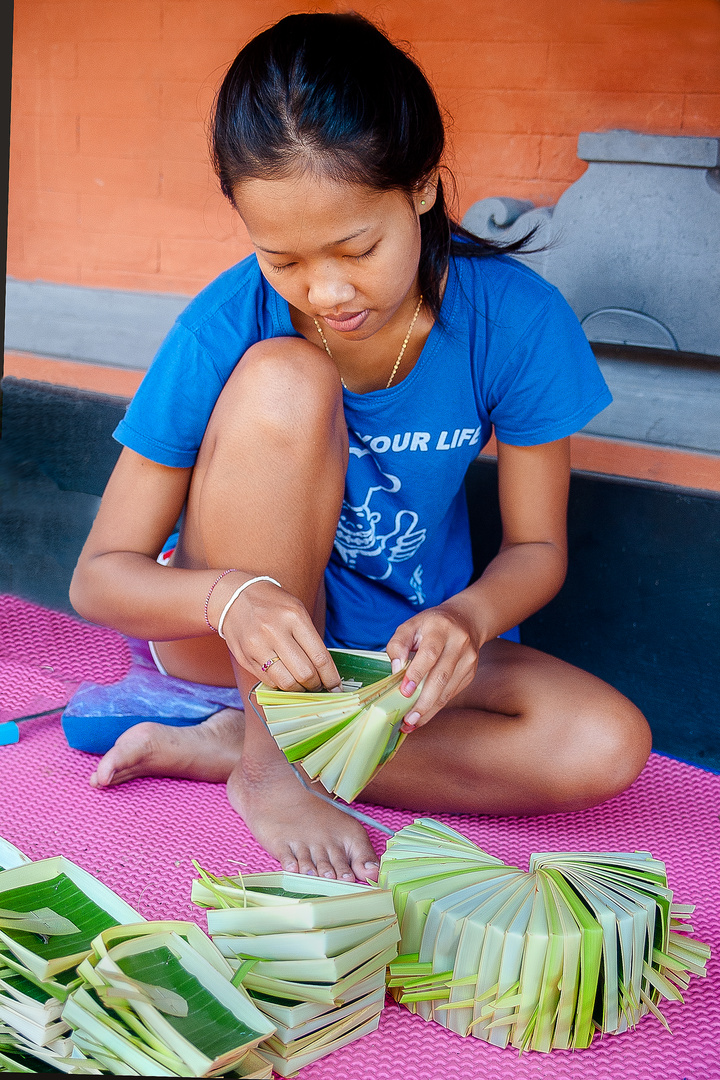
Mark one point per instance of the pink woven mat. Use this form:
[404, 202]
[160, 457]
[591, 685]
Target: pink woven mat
[140, 838]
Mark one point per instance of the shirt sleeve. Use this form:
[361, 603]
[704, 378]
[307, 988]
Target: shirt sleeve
[166, 419]
[550, 385]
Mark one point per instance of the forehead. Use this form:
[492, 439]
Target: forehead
[308, 212]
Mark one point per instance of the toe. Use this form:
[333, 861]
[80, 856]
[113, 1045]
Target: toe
[365, 864]
[324, 863]
[305, 861]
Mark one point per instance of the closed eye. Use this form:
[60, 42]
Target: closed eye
[279, 269]
[365, 254]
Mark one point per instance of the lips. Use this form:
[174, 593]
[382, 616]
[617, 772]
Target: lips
[346, 323]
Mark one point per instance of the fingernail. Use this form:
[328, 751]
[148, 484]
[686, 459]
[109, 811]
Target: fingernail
[411, 719]
[408, 688]
[396, 665]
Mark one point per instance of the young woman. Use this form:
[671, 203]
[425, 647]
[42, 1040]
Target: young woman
[312, 415]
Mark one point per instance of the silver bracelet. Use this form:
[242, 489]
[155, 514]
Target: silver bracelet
[233, 598]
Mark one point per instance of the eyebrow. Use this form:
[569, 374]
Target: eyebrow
[335, 243]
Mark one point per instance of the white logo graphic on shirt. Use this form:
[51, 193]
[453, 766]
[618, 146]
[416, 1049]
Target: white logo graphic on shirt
[361, 540]
[416, 586]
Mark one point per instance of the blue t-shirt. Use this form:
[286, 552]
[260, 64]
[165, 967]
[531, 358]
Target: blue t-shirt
[507, 352]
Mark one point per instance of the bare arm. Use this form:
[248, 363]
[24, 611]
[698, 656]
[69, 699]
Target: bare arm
[117, 581]
[526, 573]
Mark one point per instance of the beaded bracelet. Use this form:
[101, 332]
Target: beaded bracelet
[207, 598]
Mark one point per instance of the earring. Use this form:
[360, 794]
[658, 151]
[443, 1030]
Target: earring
[422, 202]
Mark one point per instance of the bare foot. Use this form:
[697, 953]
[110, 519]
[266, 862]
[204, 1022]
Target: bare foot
[207, 751]
[305, 834]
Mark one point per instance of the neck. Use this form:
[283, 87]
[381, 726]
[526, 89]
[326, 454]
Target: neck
[367, 364]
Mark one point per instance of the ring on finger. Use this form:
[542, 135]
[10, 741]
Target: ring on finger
[269, 663]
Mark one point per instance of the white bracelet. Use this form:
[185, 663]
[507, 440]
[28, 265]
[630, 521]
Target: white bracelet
[233, 598]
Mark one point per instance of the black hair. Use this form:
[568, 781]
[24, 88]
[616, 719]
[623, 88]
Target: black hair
[331, 93]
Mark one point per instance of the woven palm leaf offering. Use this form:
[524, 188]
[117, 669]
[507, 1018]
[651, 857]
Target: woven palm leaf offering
[10, 856]
[311, 952]
[50, 911]
[158, 999]
[341, 737]
[585, 942]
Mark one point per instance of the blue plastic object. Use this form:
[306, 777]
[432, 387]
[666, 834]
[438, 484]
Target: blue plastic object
[9, 733]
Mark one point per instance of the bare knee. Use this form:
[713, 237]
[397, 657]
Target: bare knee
[605, 748]
[286, 386]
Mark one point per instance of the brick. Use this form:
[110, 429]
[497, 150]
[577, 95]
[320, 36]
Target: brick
[44, 136]
[493, 20]
[116, 137]
[632, 64]
[183, 140]
[558, 158]
[208, 59]
[181, 190]
[89, 20]
[484, 65]
[498, 155]
[701, 114]
[120, 177]
[184, 257]
[120, 60]
[57, 208]
[124, 98]
[118, 279]
[52, 245]
[141, 216]
[566, 113]
[54, 59]
[188, 99]
[118, 251]
[220, 20]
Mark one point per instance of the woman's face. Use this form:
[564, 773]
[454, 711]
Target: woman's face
[341, 253]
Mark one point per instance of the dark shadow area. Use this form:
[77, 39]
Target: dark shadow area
[641, 604]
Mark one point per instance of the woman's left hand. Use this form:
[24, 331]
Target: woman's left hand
[446, 645]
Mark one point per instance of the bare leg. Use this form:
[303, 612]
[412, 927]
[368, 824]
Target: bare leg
[530, 735]
[265, 496]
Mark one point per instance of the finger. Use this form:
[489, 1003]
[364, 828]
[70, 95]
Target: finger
[401, 645]
[278, 676]
[313, 648]
[447, 674]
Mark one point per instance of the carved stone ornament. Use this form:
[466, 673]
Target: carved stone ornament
[634, 244]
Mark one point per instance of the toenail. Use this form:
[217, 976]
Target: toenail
[311, 873]
[328, 873]
[348, 877]
[371, 865]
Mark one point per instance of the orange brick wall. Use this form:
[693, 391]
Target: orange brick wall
[109, 180]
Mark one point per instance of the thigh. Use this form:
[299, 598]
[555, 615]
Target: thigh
[516, 680]
[531, 734]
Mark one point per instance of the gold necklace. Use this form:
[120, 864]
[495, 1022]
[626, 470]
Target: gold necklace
[393, 373]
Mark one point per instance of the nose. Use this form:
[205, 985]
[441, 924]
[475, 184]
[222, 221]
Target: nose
[329, 289]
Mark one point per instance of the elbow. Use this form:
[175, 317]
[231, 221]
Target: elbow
[82, 595]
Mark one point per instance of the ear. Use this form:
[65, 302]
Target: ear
[426, 194]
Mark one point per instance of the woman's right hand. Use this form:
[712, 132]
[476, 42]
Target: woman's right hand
[269, 623]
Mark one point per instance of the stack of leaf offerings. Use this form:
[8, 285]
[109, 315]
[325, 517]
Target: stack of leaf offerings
[50, 911]
[158, 1000]
[342, 738]
[585, 942]
[312, 953]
